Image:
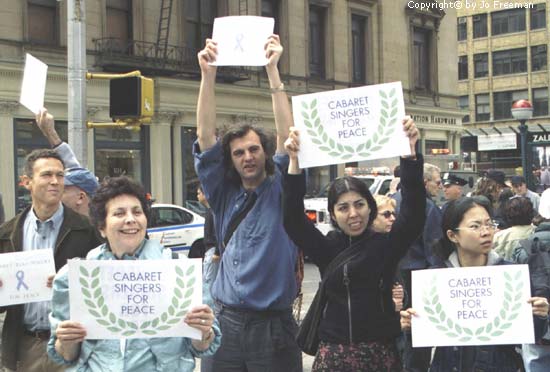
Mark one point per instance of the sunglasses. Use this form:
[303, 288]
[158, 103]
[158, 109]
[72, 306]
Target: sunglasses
[387, 214]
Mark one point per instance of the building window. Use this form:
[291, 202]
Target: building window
[43, 22]
[538, 57]
[421, 55]
[540, 102]
[510, 61]
[462, 67]
[358, 31]
[507, 21]
[317, 41]
[481, 65]
[461, 30]
[122, 152]
[434, 145]
[480, 25]
[28, 138]
[199, 19]
[502, 103]
[464, 104]
[538, 16]
[483, 112]
[270, 8]
[119, 24]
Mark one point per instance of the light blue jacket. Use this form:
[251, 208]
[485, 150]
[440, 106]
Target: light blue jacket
[148, 354]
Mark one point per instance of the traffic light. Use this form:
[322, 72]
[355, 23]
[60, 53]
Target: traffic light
[131, 97]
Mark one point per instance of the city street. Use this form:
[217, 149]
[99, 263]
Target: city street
[311, 281]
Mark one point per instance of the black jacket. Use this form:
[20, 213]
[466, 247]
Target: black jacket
[370, 273]
[76, 237]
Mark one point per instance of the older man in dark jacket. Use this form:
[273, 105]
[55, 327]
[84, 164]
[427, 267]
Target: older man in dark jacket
[47, 224]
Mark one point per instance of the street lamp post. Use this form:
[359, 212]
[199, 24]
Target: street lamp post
[522, 110]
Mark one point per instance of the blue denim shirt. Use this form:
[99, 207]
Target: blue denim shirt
[257, 267]
[140, 355]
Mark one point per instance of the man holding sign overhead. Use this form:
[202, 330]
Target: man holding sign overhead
[241, 178]
[47, 224]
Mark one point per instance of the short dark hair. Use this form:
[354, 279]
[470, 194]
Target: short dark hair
[267, 142]
[40, 154]
[518, 211]
[109, 189]
[452, 217]
[346, 184]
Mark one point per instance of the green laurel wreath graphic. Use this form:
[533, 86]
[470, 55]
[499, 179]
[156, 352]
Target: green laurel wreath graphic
[496, 327]
[95, 303]
[382, 134]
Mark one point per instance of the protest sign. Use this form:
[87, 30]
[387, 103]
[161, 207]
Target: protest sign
[350, 125]
[241, 40]
[135, 299]
[24, 276]
[472, 306]
[33, 86]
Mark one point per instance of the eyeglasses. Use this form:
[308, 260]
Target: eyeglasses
[476, 228]
[387, 214]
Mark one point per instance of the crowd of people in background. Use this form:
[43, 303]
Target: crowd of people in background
[255, 237]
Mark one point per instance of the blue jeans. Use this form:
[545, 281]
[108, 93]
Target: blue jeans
[257, 341]
[536, 357]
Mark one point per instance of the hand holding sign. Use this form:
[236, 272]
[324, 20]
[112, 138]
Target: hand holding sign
[207, 57]
[273, 51]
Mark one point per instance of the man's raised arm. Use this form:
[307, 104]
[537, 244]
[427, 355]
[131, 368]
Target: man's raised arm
[206, 105]
[281, 106]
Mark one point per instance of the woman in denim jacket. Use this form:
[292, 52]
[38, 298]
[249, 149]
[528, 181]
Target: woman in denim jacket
[119, 210]
[467, 241]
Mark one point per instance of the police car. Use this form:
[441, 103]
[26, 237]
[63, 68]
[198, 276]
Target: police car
[177, 228]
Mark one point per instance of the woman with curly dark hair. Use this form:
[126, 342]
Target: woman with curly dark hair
[120, 211]
[518, 214]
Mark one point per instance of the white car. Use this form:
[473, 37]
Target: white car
[316, 208]
[177, 228]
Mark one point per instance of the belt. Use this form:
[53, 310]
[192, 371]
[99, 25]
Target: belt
[254, 313]
[43, 335]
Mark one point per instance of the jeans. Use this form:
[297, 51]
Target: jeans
[257, 341]
[536, 357]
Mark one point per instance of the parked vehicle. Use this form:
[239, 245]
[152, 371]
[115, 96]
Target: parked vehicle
[177, 228]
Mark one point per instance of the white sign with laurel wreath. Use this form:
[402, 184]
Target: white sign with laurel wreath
[350, 125]
[135, 299]
[472, 306]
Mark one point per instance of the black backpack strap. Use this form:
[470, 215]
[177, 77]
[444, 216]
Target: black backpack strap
[238, 217]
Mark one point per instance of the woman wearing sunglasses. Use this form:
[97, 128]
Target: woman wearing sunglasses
[359, 325]
[467, 240]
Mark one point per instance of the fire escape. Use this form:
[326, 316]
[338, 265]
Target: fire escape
[160, 58]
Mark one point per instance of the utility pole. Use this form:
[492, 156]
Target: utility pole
[76, 73]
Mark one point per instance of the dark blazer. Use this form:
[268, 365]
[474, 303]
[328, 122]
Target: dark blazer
[367, 314]
[76, 237]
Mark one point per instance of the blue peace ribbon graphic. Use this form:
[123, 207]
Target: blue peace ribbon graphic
[238, 46]
[20, 275]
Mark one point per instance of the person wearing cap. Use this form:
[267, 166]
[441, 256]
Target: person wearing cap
[80, 183]
[519, 187]
[46, 224]
[453, 186]
[80, 187]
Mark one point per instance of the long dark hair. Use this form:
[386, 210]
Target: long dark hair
[346, 184]
[267, 142]
[453, 216]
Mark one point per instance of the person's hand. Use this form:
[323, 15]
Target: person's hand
[208, 55]
[540, 306]
[406, 316]
[292, 143]
[69, 332]
[201, 317]
[273, 50]
[49, 282]
[46, 124]
[410, 129]
[397, 295]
